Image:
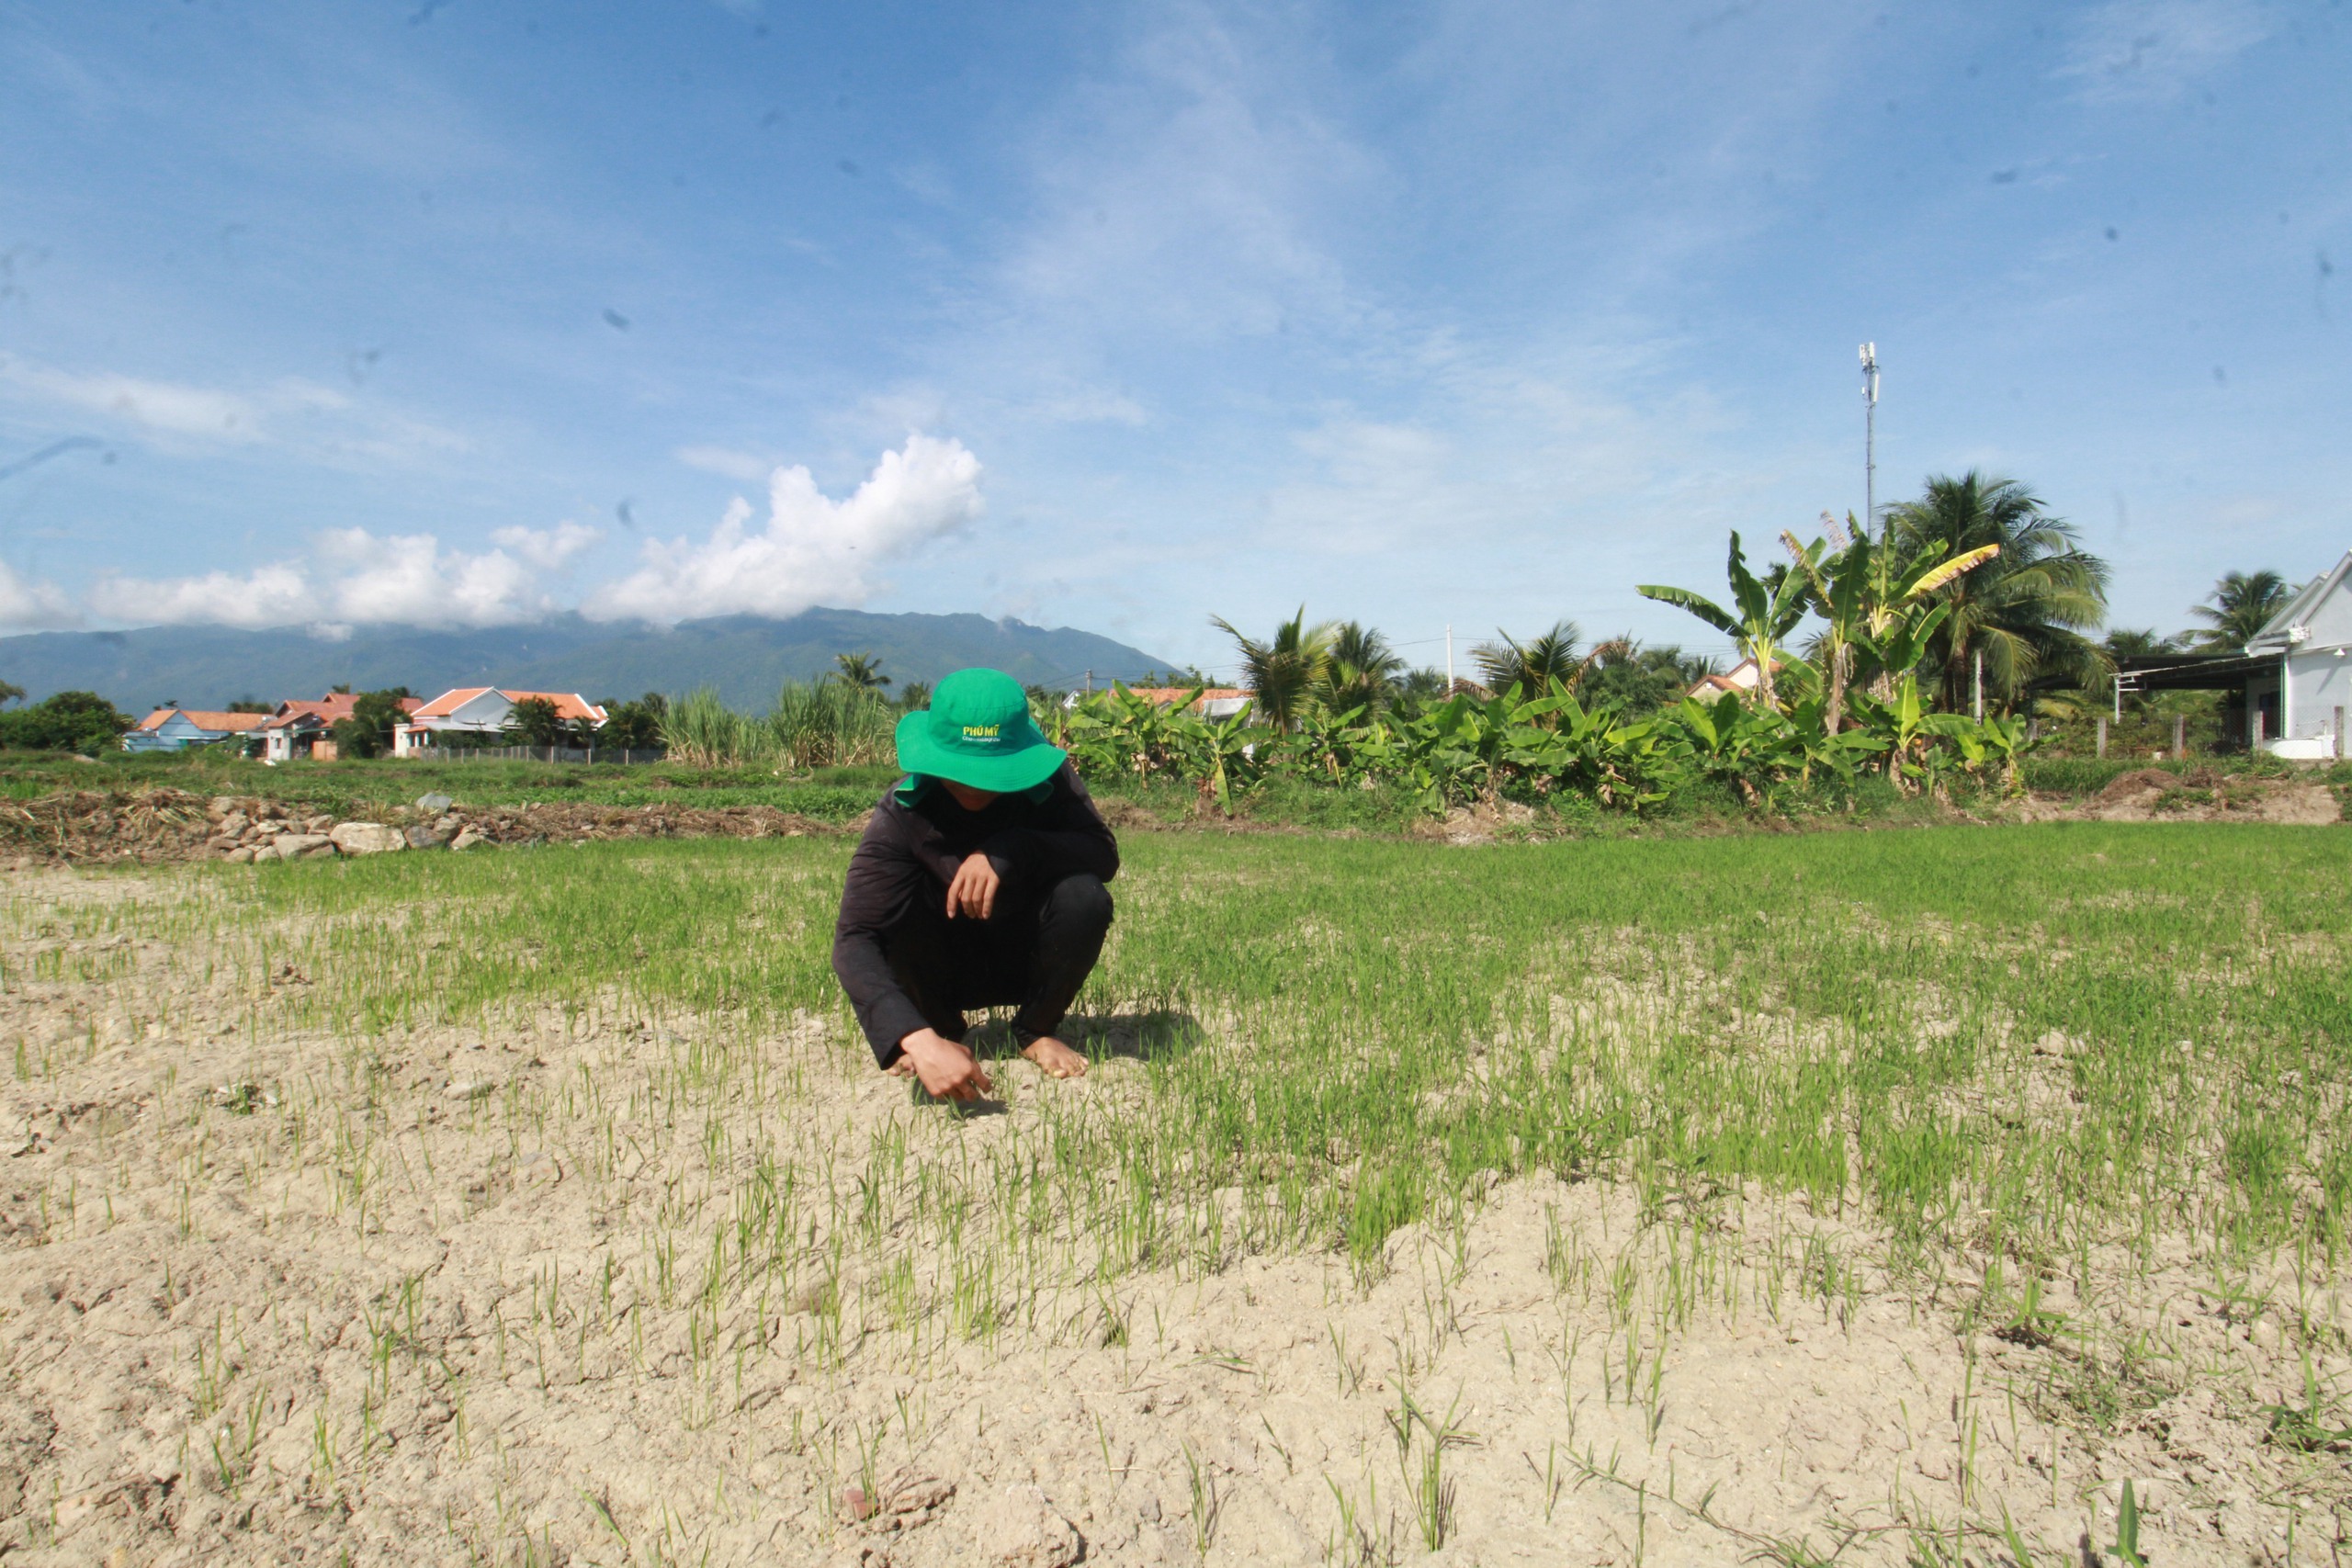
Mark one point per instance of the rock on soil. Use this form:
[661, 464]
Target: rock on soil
[153, 827]
[367, 838]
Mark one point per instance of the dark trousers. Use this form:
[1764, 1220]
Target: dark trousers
[1031, 955]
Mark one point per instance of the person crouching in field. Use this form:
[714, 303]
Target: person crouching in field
[978, 884]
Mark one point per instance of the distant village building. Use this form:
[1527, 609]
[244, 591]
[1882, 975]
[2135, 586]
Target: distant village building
[2289, 689]
[482, 710]
[174, 728]
[305, 727]
[2297, 697]
[1213, 703]
[1740, 678]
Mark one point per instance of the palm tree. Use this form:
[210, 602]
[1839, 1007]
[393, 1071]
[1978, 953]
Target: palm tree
[2125, 643]
[1361, 673]
[2022, 613]
[862, 671]
[1533, 665]
[2243, 604]
[1643, 679]
[1549, 656]
[1284, 671]
[1770, 608]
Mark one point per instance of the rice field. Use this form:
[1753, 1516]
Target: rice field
[1943, 1196]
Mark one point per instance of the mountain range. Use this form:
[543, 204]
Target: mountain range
[744, 658]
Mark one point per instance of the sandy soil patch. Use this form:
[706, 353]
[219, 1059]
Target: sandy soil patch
[594, 1289]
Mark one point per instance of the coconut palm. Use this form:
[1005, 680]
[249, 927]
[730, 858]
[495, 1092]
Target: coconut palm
[1361, 673]
[2020, 614]
[1549, 656]
[1283, 671]
[1533, 665]
[1641, 679]
[2125, 642]
[862, 671]
[2241, 605]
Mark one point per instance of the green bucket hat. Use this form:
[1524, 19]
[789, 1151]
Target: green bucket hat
[978, 732]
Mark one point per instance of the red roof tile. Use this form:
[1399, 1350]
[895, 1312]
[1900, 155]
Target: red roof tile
[205, 719]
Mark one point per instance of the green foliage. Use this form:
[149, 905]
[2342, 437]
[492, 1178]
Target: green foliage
[2241, 605]
[368, 731]
[1764, 611]
[633, 726]
[1285, 669]
[69, 721]
[536, 721]
[814, 723]
[825, 724]
[1473, 747]
[2025, 609]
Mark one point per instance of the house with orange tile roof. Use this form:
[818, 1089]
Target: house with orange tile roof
[482, 710]
[1214, 701]
[175, 728]
[304, 727]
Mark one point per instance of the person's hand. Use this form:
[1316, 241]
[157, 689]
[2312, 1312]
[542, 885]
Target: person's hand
[946, 1069]
[973, 893]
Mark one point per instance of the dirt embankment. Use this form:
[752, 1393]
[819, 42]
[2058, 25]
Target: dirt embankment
[97, 827]
[154, 827]
[2200, 795]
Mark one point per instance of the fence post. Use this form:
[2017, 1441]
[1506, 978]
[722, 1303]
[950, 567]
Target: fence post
[2179, 736]
[2102, 735]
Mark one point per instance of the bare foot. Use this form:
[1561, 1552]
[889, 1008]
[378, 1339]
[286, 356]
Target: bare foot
[1058, 1059]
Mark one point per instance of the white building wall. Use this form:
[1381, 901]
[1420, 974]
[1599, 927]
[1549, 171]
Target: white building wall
[2319, 686]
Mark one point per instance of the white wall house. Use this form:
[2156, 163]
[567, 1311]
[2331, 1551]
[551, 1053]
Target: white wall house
[482, 710]
[2300, 689]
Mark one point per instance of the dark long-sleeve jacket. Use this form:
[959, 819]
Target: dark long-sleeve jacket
[912, 849]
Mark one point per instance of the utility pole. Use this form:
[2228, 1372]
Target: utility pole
[1449, 658]
[1870, 435]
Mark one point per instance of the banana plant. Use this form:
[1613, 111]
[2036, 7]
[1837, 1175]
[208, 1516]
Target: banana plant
[1902, 725]
[1572, 746]
[1119, 732]
[1863, 591]
[1458, 748]
[1995, 740]
[1898, 650]
[1731, 742]
[1218, 752]
[1765, 609]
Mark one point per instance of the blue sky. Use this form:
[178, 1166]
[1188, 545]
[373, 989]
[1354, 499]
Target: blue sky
[1119, 317]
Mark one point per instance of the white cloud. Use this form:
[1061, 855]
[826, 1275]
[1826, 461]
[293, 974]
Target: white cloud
[274, 595]
[740, 466]
[291, 413]
[164, 406]
[811, 549]
[354, 578]
[2151, 50]
[549, 549]
[27, 605]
